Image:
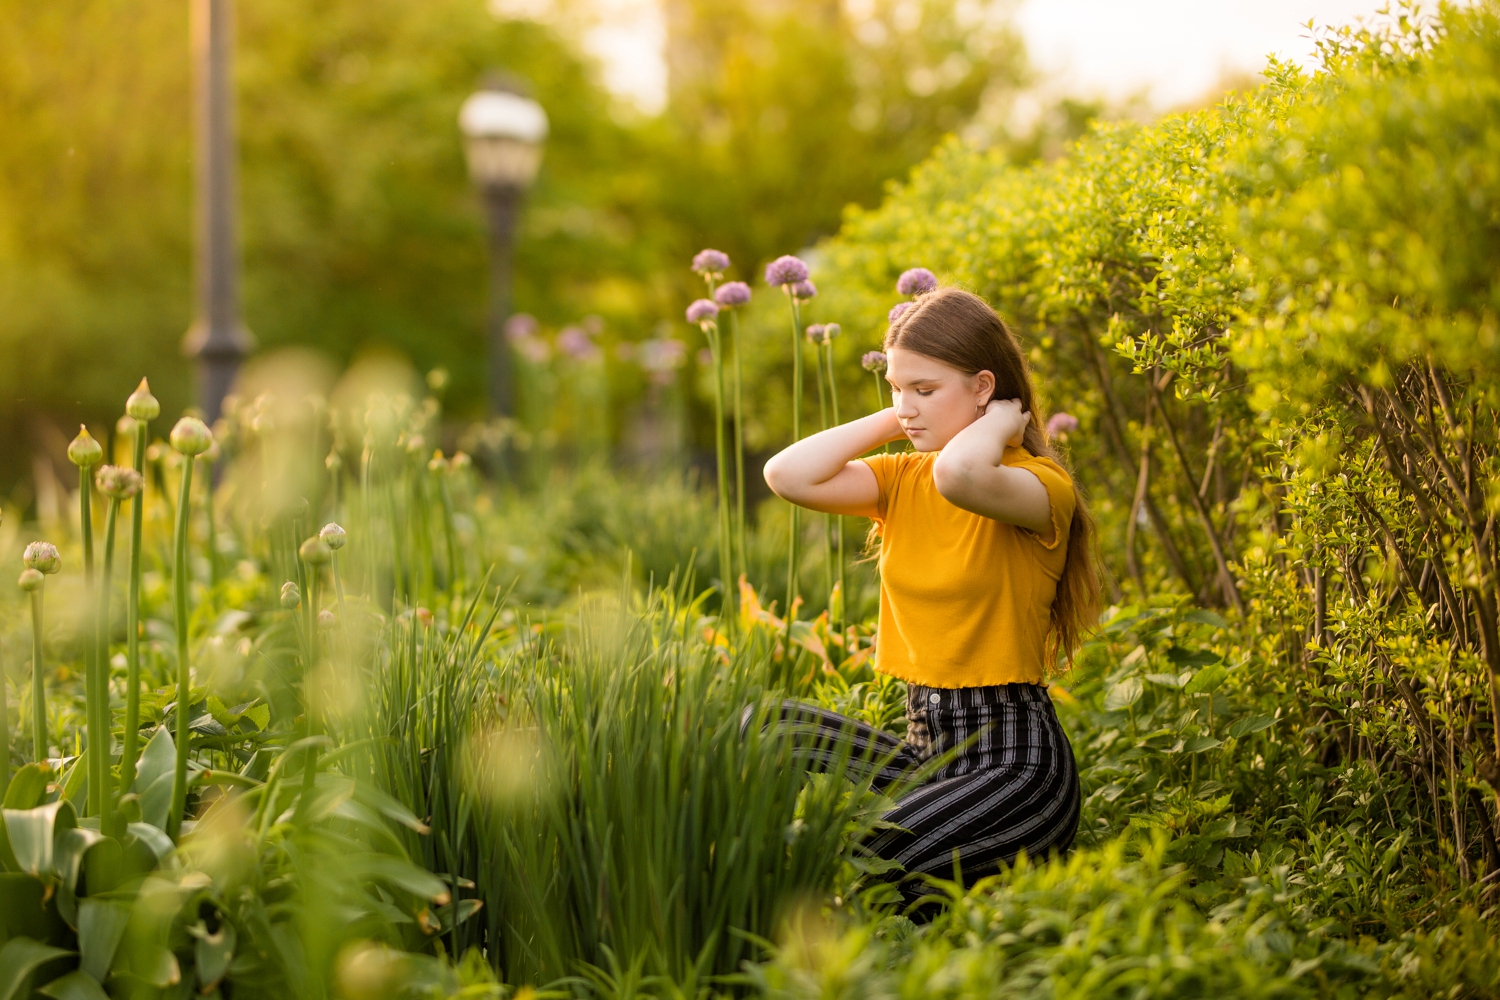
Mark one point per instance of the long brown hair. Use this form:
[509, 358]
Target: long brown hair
[960, 329]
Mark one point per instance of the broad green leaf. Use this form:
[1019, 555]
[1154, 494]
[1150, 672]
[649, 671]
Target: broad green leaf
[1191, 657]
[101, 925]
[69, 847]
[32, 833]
[1205, 617]
[76, 985]
[156, 801]
[1169, 680]
[212, 953]
[1251, 724]
[158, 758]
[1123, 694]
[402, 874]
[75, 780]
[388, 807]
[24, 909]
[1198, 744]
[28, 786]
[19, 959]
[153, 838]
[1207, 680]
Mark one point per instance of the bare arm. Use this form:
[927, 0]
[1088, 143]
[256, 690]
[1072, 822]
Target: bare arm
[968, 472]
[820, 472]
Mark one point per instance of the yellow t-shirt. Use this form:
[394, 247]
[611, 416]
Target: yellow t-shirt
[965, 600]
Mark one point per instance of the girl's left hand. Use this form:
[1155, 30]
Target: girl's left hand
[1013, 419]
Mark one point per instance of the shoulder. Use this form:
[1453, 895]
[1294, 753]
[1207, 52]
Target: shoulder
[889, 467]
[1061, 497]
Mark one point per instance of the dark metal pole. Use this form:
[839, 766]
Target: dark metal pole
[217, 339]
[502, 204]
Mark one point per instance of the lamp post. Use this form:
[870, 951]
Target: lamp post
[217, 339]
[503, 132]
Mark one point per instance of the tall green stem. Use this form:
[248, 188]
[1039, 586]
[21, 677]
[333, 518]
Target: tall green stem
[130, 737]
[98, 745]
[739, 443]
[833, 396]
[794, 539]
[726, 544]
[827, 518]
[180, 584]
[106, 800]
[4, 732]
[309, 678]
[38, 682]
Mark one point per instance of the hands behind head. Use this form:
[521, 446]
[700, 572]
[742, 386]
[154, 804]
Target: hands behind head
[1012, 420]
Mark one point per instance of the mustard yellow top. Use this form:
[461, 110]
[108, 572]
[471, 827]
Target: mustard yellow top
[964, 600]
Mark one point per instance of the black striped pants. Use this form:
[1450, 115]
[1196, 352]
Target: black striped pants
[1011, 786]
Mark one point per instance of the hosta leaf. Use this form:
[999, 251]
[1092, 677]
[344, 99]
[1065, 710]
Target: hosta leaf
[19, 959]
[1123, 694]
[1251, 724]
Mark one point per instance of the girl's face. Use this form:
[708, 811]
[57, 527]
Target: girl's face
[933, 400]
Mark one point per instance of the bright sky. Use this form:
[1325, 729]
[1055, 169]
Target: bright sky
[1173, 50]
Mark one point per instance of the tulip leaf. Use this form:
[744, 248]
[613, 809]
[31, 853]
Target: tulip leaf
[32, 833]
[159, 757]
[401, 874]
[156, 801]
[101, 925]
[20, 958]
[28, 787]
[24, 909]
[153, 838]
[76, 985]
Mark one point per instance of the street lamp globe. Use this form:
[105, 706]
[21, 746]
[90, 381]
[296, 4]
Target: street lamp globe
[503, 134]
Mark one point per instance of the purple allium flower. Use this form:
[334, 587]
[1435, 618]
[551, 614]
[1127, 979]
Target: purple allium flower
[916, 281]
[711, 262]
[831, 330]
[575, 342]
[815, 333]
[533, 349]
[731, 294]
[804, 289]
[1061, 424]
[873, 361]
[705, 357]
[897, 310]
[520, 326]
[786, 270]
[661, 354]
[702, 311]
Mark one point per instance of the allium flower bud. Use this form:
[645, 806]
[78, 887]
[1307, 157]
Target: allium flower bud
[325, 619]
[290, 595]
[334, 462]
[84, 451]
[315, 551]
[708, 262]
[731, 294]
[424, 617]
[521, 326]
[141, 404]
[897, 310]
[785, 271]
[42, 557]
[333, 536]
[1061, 424]
[873, 361]
[702, 311]
[191, 436]
[460, 461]
[916, 281]
[437, 463]
[575, 342]
[831, 330]
[125, 426]
[814, 333]
[804, 289]
[117, 482]
[30, 580]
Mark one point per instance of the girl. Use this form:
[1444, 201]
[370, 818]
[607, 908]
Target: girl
[987, 582]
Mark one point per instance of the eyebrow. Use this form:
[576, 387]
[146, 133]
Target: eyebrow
[923, 381]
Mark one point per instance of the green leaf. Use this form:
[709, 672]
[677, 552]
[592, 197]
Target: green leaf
[401, 874]
[1123, 694]
[1251, 724]
[76, 985]
[24, 909]
[1192, 657]
[68, 848]
[32, 833]
[1198, 744]
[1205, 617]
[28, 786]
[75, 779]
[158, 758]
[212, 953]
[1169, 680]
[19, 959]
[1207, 680]
[101, 925]
[153, 838]
[388, 807]
[156, 801]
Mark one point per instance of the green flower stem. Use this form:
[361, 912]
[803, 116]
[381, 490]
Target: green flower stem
[833, 396]
[726, 544]
[214, 573]
[4, 733]
[98, 742]
[180, 585]
[38, 682]
[793, 541]
[823, 375]
[130, 738]
[309, 681]
[739, 443]
[106, 800]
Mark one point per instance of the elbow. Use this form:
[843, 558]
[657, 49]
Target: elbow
[777, 475]
[952, 475]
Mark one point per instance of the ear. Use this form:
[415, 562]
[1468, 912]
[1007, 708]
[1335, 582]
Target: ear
[984, 388]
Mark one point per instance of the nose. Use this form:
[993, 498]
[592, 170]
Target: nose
[905, 409]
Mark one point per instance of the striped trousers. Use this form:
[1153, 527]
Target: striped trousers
[1009, 782]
